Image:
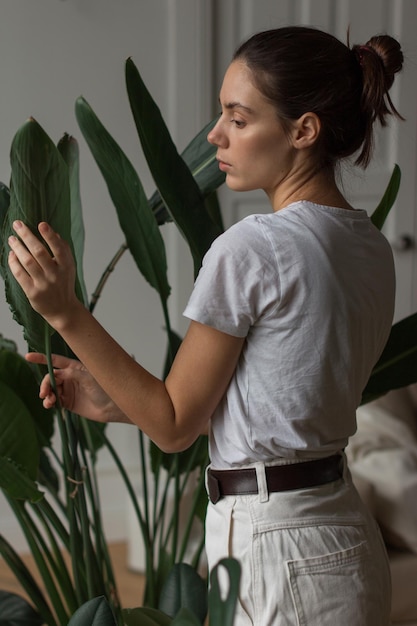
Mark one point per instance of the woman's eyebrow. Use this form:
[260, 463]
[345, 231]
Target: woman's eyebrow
[237, 105]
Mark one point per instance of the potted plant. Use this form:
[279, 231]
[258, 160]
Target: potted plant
[44, 185]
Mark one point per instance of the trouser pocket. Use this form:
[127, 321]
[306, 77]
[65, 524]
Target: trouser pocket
[338, 588]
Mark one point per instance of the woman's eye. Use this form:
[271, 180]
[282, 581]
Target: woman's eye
[238, 123]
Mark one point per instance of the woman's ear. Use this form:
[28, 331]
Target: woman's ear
[306, 131]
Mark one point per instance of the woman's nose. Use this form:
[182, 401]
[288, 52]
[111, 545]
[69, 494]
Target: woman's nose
[215, 136]
[211, 137]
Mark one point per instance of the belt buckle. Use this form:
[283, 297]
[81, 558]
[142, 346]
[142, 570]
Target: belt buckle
[213, 488]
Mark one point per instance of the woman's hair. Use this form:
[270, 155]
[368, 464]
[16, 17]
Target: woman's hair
[301, 69]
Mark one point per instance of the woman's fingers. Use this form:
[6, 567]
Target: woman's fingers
[50, 394]
[58, 360]
[66, 372]
[45, 271]
[32, 254]
[48, 401]
[32, 265]
[20, 262]
[31, 259]
[36, 357]
[57, 245]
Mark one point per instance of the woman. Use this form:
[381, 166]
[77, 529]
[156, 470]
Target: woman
[288, 315]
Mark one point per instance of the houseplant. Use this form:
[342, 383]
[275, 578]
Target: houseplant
[30, 148]
[183, 188]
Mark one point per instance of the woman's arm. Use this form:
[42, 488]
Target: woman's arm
[172, 413]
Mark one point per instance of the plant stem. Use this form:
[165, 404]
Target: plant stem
[105, 276]
[144, 482]
[176, 511]
[103, 558]
[57, 562]
[76, 553]
[39, 550]
[147, 536]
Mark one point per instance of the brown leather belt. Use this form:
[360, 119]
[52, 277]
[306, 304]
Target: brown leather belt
[239, 482]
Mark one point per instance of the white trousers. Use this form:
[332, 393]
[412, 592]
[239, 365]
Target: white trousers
[309, 557]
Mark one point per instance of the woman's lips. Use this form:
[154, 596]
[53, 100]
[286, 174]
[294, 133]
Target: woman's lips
[223, 166]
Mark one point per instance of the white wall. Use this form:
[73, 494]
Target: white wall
[51, 52]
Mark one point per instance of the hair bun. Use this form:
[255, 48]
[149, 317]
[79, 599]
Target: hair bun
[380, 59]
[388, 50]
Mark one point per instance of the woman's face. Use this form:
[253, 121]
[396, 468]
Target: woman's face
[253, 149]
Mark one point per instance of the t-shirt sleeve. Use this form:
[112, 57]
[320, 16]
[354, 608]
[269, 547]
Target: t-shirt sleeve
[238, 280]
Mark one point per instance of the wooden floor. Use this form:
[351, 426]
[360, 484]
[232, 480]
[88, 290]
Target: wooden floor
[130, 584]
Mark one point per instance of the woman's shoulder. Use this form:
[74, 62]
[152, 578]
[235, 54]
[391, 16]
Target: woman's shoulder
[245, 243]
[249, 232]
[251, 225]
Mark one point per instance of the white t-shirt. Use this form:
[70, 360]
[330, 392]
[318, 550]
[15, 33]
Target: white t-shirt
[312, 289]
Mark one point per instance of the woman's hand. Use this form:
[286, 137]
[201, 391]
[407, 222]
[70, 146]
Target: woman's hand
[76, 389]
[47, 278]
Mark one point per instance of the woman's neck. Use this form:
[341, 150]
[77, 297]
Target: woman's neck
[318, 187]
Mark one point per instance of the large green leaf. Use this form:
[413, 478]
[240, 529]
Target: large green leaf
[184, 588]
[68, 148]
[397, 366]
[221, 610]
[174, 342]
[16, 611]
[7, 344]
[172, 177]
[145, 617]
[135, 216]
[18, 440]
[214, 209]
[380, 214]
[14, 480]
[4, 201]
[39, 192]
[185, 617]
[4, 207]
[200, 157]
[95, 612]
[18, 375]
